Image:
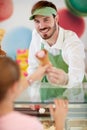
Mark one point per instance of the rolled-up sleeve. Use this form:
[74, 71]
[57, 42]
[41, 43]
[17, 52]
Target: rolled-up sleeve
[74, 55]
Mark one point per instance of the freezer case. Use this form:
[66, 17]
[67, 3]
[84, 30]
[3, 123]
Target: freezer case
[77, 114]
[76, 119]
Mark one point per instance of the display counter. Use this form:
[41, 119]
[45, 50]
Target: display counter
[76, 118]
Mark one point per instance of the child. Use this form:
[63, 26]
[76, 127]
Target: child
[10, 83]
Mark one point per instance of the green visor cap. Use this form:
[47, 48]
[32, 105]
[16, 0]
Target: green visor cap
[46, 11]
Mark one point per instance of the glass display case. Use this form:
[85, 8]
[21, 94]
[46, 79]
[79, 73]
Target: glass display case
[32, 102]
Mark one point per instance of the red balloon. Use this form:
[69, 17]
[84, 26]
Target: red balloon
[71, 22]
[6, 9]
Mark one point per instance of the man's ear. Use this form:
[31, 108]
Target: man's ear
[57, 18]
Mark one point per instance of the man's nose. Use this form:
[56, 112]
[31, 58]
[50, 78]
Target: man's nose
[41, 24]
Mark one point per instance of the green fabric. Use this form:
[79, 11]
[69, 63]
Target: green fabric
[49, 91]
[85, 96]
[85, 92]
[45, 11]
[58, 61]
[85, 79]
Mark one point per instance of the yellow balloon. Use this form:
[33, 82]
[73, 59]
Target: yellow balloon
[2, 32]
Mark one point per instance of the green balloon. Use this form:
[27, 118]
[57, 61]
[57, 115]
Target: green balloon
[77, 7]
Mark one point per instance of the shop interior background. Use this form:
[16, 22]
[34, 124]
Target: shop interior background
[17, 28]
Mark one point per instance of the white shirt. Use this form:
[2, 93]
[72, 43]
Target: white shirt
[72, 52]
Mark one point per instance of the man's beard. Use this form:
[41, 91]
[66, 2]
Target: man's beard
[46, 36]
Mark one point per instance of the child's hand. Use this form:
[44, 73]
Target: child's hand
[38, 74]
[59, 113]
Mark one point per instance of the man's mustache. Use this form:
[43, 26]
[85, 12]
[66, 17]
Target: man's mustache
[42, 29]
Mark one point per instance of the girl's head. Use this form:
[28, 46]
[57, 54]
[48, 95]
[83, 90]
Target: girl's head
[9, 74]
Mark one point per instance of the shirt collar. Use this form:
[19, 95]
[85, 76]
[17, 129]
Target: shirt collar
[59, 42]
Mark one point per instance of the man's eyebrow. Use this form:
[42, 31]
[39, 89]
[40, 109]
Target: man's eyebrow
[36, 19]
[44, 17]
[47, 17]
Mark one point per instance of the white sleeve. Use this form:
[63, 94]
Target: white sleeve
[74, 55]
[34, 47]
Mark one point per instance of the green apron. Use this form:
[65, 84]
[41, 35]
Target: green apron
[47, 90]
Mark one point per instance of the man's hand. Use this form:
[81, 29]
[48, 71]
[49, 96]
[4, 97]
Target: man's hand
[57, 76]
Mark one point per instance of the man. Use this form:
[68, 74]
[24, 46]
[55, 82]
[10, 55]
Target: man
[66, 51]
[10, 84]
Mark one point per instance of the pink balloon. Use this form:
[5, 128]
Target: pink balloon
[71, 22]
[6, 9]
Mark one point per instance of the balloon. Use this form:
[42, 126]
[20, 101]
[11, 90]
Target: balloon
[17, 38]
[2, 32]
[77, 7]
[71, 22]
[6, 9]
